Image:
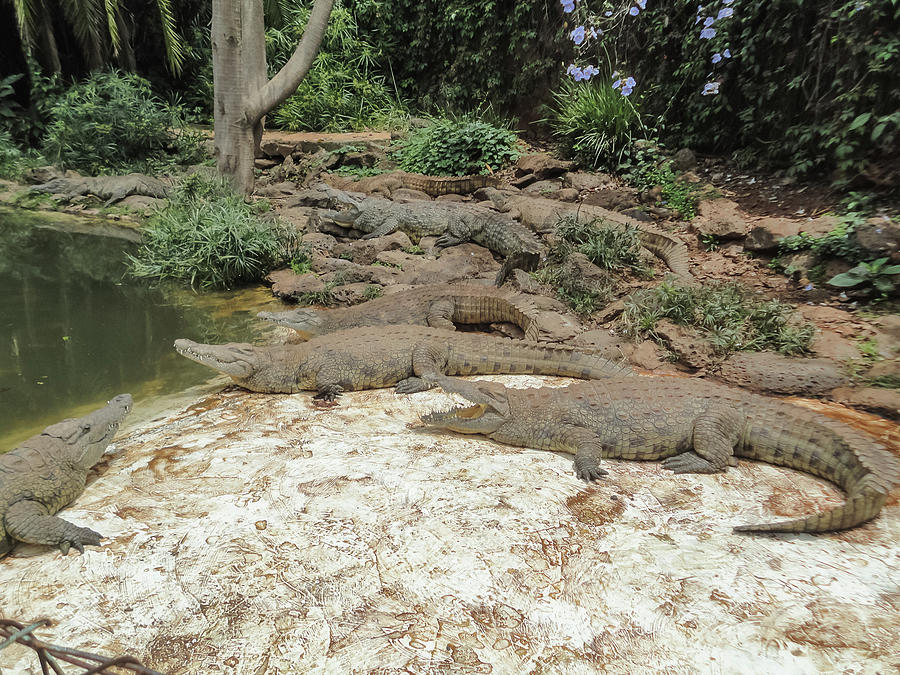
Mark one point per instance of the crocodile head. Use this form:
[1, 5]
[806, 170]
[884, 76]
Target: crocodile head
[263, 369]
[490, 409]
[307, 322]
[86, 438]
[346, 217]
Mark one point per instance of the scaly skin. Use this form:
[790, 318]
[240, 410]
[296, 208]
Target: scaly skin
[542, 215]
[452, 223]
[110, 188]
[439, 306]
[410, 357]
[693, 425]
[47, 472]
[436, 186]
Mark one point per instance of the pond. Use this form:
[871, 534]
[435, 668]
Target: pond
[75, 330]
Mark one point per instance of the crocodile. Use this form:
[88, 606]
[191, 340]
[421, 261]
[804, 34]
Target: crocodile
[369, 357]
[48, 471]
[434, 186]
[542, 215]
[451, 223]
[435, 305]
[110, 188]
[694, 426]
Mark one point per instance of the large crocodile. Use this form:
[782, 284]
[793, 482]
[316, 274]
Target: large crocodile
[439, 306]
[47, 472]
[435, 186]
[693, 425]
[451, 223]
[371, 357]
[542, 215]
[110, 188]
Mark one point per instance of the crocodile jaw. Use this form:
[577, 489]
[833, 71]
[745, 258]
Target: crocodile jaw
[489, 412]
[307, 322]
[235, 359]
[88, 437]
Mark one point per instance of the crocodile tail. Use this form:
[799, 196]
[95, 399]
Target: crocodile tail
[521, 310]
[854, 511]
[672, 252]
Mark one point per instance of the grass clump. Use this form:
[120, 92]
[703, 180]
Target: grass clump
[459, 147]
[372, 291]
[675, 194]
[12, 160]
[608, 246]
[112, 123]
[571, 288]
[595, 122]
[730, 316]
[208, 237]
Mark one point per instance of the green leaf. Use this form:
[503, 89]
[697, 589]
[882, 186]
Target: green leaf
[845, 280]
[878, 130]
[891, 269]
[859, 121]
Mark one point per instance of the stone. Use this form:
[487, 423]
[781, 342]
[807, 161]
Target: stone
[264, 164]
[365, 251]
[767, 232]
[298, 217]
[768, 371]
[319, 241]
[287, 284]
[522, 182]
[404, 195]
[684, 160]
[542, 188]
[568, 195]
[527, 283]
[582, 181]
[604, 342]
[889, 368]
[353, 293]
[646, 355]
[451, 197]
[877, 238]
[360, 159]
[456, 263]
[885, 402]
[280, 149]
[542, 165]
[556, 327]
[309, 197]
[721, 218]
[142, 203]
[618, 199]
[638, 214]
[831, 345]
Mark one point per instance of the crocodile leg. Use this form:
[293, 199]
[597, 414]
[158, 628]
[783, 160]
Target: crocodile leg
[29, 521]
[716, 432]
[389, 226]
[439, 313]
[328, 383]
[429, 361]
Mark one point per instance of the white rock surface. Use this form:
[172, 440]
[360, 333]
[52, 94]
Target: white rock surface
[253, 533]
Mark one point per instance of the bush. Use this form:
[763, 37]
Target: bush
[450, 147]
[209, 237]
[112, 123]
[12, 161]
[733, 318]
[343, 90]
[607, 246]
[595, 122]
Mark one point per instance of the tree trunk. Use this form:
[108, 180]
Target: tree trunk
[242, 94]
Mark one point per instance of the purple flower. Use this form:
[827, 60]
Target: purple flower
[709, 21]
[626, 91]
[607, 13]
[571, 69]
[589, 72]
[710, 88]
[727, 53]
[698, 20]
[727, 2]
[808, 287]
[630, 82]
[707, 33]
[567, 5]
[716, 57]
[725, 13]
[577, 35]
[634, 11]
[642, 4]
[617, 83]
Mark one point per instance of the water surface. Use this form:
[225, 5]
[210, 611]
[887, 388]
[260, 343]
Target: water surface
[75, 330]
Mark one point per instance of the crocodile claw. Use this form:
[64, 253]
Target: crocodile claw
[78, 538]
[592, 474]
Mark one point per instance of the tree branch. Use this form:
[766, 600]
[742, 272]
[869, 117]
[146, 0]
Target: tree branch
[289, 77]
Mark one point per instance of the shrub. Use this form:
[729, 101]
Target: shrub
[209, 237]
[733, 318]
[449, 147]
[11, 158]
[607, 246]
[343, 90]
[595, 122]
[676, 194]
[111, 122]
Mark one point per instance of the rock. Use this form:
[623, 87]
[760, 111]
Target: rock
[605, 343]
[318, 241]
[567, 195]
[264, 164]
[451, 197]
[287, 284]
[298, 217]
[527, 284]
[353, 293]
[280, 189]
[884, 402]
[543, 187]
[404, 195]
[523, 181]
[142, 203]
[720, 218]
[638, 214]
[798, 265]
[877, 238]
[767, 232]
[542, 165]
[278, 148]
[360, 159]
[684, 160]
[580, 266]
[580, 180]
[42, 174]
[647, 356]
[365, 251]
[613, 199]
[830, 345]
[889, 368]
[610, 312]
[556, 327]
[768, 371]
[687, 344]
[311, 197]
[456, 263]
[890, 325]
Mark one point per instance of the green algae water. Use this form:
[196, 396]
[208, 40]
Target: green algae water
[75, 330]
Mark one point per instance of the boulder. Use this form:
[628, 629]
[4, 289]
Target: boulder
[721, 218]
[878, 238]
[287, 284]
[365, 251]
[885, 402]
[684, 160]
[581, 180]
[687, 344]
[542, 165]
